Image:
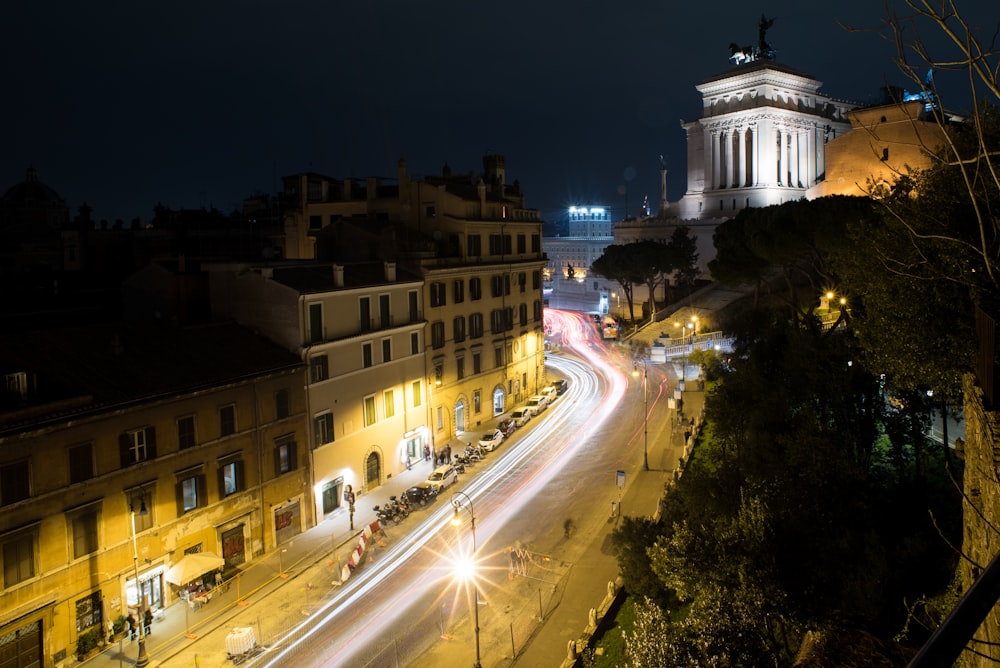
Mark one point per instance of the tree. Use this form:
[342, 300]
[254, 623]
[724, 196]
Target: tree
[628, 265]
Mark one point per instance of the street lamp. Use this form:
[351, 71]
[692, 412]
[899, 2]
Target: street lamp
[142, 660]
[645, 416]
[456, 520]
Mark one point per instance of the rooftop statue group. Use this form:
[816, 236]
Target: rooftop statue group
[750, 53]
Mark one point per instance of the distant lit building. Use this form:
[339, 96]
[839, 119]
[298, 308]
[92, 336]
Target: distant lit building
[569, 283]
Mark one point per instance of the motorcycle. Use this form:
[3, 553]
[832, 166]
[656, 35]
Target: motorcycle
[459, 465]
[400, 507]
[386, 514]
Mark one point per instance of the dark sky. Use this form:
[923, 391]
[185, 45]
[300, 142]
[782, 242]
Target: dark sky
[124, 104]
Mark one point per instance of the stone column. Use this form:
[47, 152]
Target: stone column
[741, 173]
[727, 158]
[793, 161]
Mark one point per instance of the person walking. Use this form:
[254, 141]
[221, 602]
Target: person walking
[133, 626]
[147, 621]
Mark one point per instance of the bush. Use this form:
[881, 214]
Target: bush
[87, 641]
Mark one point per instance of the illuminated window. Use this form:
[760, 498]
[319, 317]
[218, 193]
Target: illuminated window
[323, 428]
[389, 402]
[231, 478]
[370, 416]
[285, 454]
[417, 393]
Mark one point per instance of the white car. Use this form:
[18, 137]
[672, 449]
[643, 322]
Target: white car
[521, 416]
[536, 404]
[550, 393]
[442, 477]
[491, 440]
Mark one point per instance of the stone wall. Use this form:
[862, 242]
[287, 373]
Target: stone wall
[981, 540]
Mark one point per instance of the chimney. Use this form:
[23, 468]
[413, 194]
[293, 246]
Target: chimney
[338, 275]
[390, 271]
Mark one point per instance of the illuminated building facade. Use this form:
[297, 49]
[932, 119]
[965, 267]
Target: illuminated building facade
[198, 431]
[359, 328]
[569, 284]
[477, 249]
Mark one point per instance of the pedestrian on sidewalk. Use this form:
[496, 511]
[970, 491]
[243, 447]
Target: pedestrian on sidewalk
[147, 621]
[427, 453]
[133, 626]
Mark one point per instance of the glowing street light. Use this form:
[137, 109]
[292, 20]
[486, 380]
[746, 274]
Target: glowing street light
[466, 568]
[645, 416]
[142, 660]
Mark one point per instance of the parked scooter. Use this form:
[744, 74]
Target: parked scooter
[399, 507]
[386, 514]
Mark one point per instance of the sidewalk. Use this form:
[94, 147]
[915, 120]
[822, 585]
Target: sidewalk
[187, 638]
[587, 583]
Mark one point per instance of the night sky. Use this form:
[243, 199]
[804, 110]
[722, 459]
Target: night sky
[124, 105]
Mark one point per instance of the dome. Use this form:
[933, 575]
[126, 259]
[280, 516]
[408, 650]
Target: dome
[32, 192]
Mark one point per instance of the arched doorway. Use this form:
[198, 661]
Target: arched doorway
[459, 416]
[499, 401]
[373, 470]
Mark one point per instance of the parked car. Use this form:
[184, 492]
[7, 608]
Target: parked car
[491, 440]
[442, 477]
[507, 426]
[521, 416]
[549, 393]
[421, 494]
[536, 404]
[560, 385]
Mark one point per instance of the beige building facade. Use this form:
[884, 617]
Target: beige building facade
[359, 329]
[195, 435]
[477, 248]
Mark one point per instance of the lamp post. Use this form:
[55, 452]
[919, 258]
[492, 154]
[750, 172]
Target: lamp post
[141, 660]
[456, 520]
[645, 416]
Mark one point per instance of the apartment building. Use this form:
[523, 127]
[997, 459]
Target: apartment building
[477, 248]
[125, 447]
[359, 329]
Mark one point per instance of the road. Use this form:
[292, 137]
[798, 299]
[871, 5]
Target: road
[543, 493]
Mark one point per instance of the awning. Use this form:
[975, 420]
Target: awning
[192, 566]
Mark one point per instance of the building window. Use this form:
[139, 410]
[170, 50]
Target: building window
[185, 432]
[536, 243]
[459, 291]
[536, 278]
[386, 350]
[281, 409]
[285, 454]
[413, 306]
[414, 343]
[417, 391]
[84, 525]
[315, 323]
[366, 355]
[19, 557]
[477, 401]
[315, 223]
[137, 446]
[231, 477]
[389, 401]
[227, 420]
[474, 244]
[476, 325]
[438, 372]
[496, 321]
[522, 281]
[384, 316]
[523, 313]
[318, 368]
[538, 310]
[477, 362]
[460, 367]
[459, 329]
[500, 244]
[190, 493]
[508, 318]
[439, 295]
[521, 244]
[498, 357]
[365, 314]
[81, 462]
[323, 429]
[88, 612]
[370, 416]
[437, 335]
[440, 418]
[496, 286]
[475, 288]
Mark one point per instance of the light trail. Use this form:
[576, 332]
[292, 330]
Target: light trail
[423, 560]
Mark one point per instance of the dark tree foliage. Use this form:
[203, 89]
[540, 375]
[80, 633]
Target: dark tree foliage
[792, 513]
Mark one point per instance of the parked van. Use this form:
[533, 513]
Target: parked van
[536, 404]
